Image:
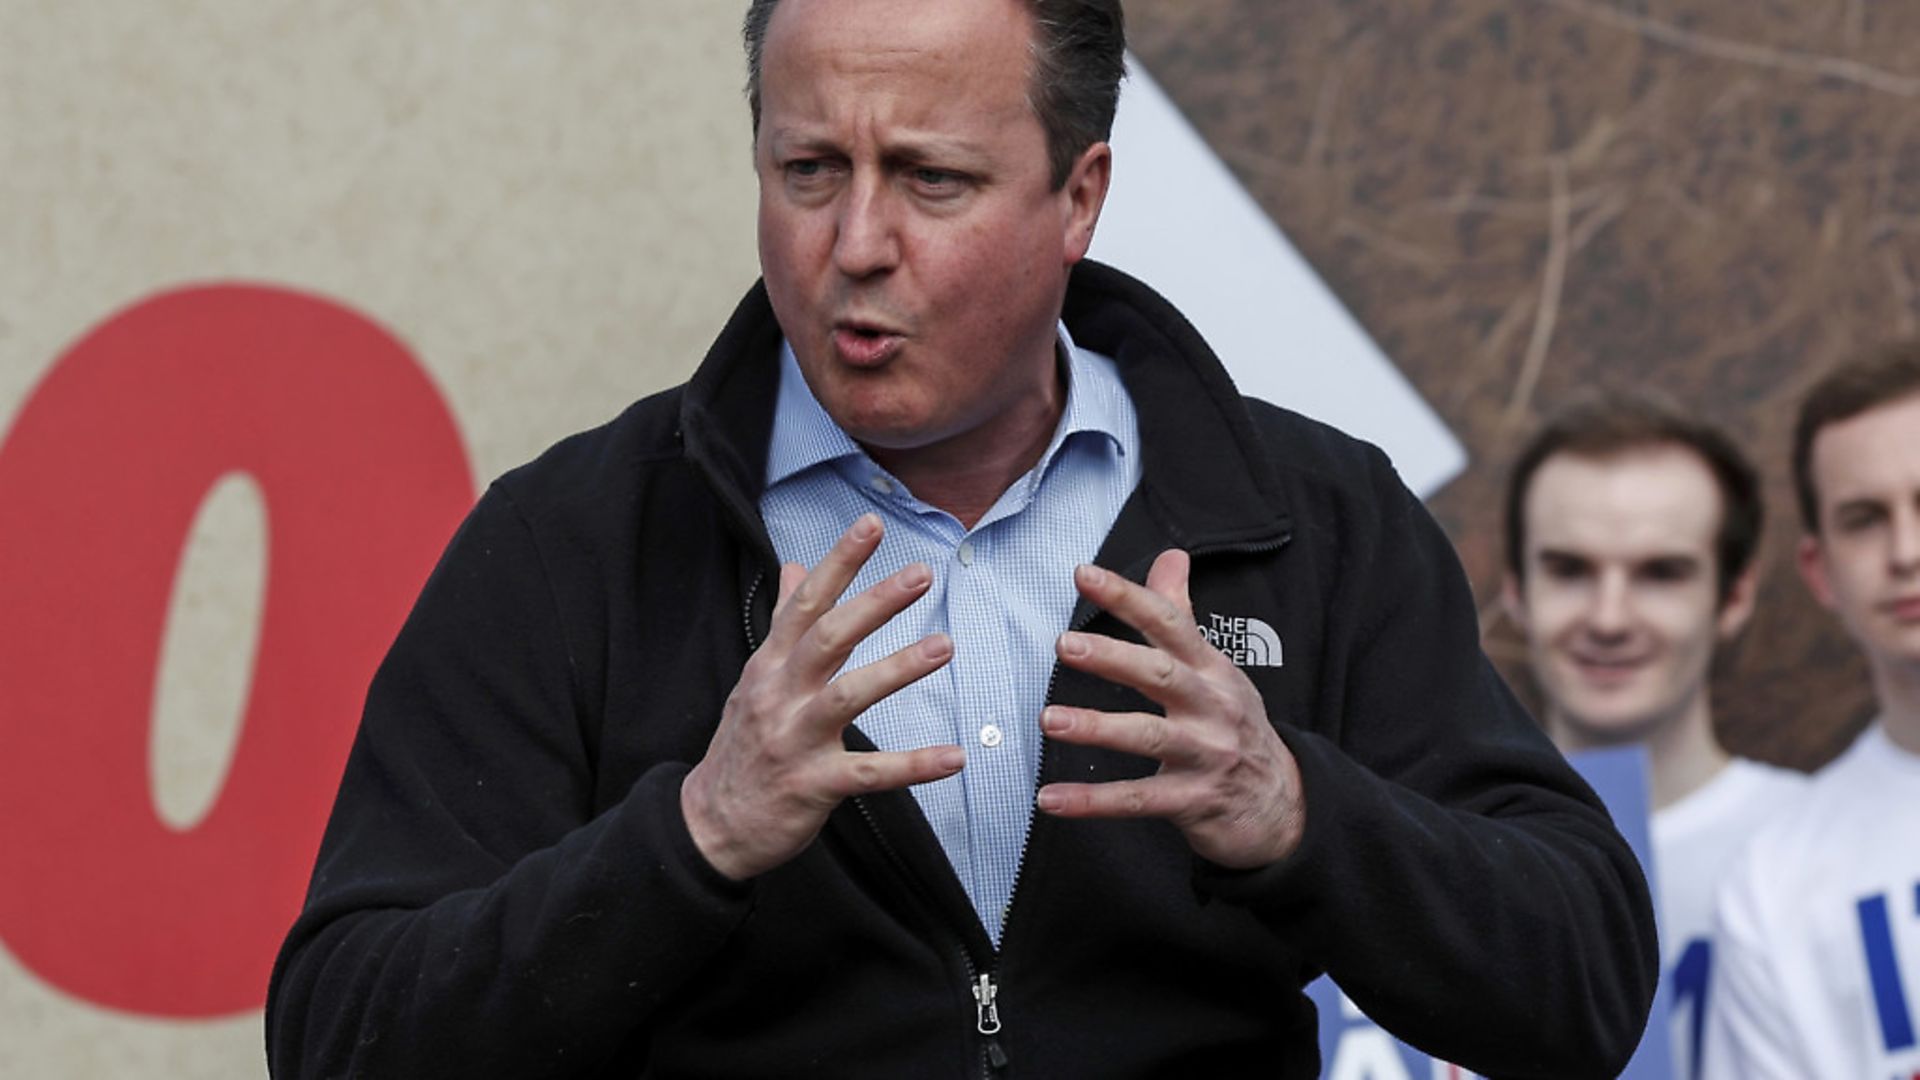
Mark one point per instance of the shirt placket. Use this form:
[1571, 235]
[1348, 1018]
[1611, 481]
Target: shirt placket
[985, 726]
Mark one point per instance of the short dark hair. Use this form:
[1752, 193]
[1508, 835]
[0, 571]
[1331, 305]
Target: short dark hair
[1876, 377]
[1079, 58]
[1606, 423]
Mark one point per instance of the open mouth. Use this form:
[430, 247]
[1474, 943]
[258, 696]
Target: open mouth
[865, 344]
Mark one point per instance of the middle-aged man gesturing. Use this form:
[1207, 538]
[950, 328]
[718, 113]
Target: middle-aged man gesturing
[637, 793]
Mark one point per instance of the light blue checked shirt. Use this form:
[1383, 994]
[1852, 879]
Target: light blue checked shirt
[1003, 591]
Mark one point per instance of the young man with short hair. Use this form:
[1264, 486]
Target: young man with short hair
[1631, 531]
[1819, 926]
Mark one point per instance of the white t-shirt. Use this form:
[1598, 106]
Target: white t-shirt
[1695, 842]
[1817, 937]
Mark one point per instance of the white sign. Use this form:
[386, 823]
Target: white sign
[1178, 220]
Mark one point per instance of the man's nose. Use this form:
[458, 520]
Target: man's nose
[867, 240]
[1610, 612]
[1903, 555]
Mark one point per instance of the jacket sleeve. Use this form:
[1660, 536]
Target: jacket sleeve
[469, 915]
[1458, 880]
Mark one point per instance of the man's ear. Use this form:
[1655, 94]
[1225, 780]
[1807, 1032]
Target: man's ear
[1512, 602]
[1086, 193]
[1811, 558]
[1737, 608]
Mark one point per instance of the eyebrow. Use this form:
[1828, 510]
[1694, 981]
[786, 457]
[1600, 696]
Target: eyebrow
[1552, 554]
[910, 150]
[1565, 555]
[1859, 503]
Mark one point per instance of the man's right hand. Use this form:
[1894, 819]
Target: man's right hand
[777, 767]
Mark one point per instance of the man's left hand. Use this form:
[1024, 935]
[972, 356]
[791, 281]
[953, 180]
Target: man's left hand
[1226, 780]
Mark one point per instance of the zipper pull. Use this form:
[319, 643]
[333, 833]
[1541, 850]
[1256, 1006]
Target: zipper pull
[987, 1020]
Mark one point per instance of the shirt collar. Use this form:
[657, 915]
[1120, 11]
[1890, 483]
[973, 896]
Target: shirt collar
[804, 435]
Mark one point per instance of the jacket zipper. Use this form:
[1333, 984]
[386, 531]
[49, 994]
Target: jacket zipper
[980, 984]
[746, 611]
[986, 991]
[987, 1020]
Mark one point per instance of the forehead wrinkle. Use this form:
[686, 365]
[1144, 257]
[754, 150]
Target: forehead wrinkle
[909, 145]
[871, 135]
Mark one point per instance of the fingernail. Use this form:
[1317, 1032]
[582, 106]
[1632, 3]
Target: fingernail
[1053, 721]
[1091, 575]
[953, 759]
[1049, 800]
[1073, 644]
[915, 576]
[866, 527]
[936, 646]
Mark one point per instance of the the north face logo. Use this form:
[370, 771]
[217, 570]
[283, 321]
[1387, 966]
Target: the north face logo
[1247, 642]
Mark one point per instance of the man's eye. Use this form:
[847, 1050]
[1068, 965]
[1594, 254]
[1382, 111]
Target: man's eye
[938, 181]
[1670, 571]
[1857, 519]
[1562, 569]
[808, 170]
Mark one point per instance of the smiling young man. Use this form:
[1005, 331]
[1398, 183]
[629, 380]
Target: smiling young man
[1819, 927]
[846, 711]
[1631, 533]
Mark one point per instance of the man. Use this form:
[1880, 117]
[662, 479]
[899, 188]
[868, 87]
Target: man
[1819, 926]
[639, 793]
[1631, 531]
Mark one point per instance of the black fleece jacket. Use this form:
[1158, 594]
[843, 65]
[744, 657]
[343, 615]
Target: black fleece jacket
[507, 887]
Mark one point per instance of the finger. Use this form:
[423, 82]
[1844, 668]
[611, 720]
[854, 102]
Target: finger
[853, 693]
[816, 593]
[791, 575]
[863, 773]
[1168, 577]
[831, 639]
[1158, 673]
[1149, 797]
[1165, 623]
[1143, 734]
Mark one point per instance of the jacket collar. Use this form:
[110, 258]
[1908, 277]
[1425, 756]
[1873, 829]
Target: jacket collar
[1206, 481]
[1206, 477]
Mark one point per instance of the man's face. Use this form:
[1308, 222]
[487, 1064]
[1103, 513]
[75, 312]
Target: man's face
[913, 246]
[1865, 563]
[1620, 603]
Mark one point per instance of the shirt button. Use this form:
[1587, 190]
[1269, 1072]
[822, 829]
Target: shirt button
[990, 736]
[881, 484]
[966, 554]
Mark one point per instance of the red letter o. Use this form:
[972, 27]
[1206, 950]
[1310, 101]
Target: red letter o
[364, 478]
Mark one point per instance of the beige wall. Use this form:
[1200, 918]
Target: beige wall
[549, 204]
